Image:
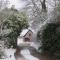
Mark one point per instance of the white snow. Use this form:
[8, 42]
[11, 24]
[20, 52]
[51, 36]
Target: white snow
[35, 45]
[24, 32]
[27, 55]
[6, 31]
[25, 52]
[9, 54]
[19, 41]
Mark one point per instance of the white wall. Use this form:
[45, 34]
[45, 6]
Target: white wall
[30, 37]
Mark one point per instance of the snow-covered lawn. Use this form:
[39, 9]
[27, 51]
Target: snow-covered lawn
[9, 55]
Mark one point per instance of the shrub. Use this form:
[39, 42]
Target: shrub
[51, 38]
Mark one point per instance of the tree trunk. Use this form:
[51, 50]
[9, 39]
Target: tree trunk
[43, 5]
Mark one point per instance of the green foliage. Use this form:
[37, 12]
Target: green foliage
[15, 22]
[58, 7]
[51, 38]
[12, 22]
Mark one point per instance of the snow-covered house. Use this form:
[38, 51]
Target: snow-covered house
[26, 36]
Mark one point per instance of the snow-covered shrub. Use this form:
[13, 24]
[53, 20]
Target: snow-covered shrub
[1, 49]
[50, 38]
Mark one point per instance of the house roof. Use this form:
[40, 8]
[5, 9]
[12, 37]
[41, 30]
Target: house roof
[24, 32]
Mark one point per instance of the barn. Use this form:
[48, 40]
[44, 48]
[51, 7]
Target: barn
[26, 36]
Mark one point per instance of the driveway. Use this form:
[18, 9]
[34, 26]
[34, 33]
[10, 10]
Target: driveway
[31, 54]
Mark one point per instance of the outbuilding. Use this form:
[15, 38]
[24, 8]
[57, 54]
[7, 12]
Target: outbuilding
[26, 36]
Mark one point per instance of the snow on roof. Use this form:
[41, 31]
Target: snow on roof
[24, 32]
[31, 29]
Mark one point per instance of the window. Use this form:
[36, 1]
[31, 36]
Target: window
[27, 40]
[29, 34]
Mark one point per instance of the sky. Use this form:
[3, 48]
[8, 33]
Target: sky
[18, 3]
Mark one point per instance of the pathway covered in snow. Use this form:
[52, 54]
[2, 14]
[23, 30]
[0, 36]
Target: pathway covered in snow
[25, 54]
[9, 55]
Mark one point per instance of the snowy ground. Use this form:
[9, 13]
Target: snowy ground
[27, 55]
[10, 55]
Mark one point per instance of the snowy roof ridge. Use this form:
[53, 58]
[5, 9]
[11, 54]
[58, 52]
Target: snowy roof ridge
[24, 31]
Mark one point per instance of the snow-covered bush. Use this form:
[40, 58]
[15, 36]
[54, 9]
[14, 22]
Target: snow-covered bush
[1, 49]
[50, 38]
